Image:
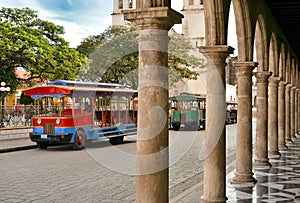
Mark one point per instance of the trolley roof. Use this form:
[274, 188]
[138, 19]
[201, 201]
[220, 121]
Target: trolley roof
[187, 98]
[84, 84]
[63, 88]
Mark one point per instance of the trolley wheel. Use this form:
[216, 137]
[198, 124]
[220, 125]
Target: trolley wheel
[116, 140]
[42, 145]
[176, 128]
[79, 140]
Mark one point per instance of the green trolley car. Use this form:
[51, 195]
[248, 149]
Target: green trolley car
[187, 112]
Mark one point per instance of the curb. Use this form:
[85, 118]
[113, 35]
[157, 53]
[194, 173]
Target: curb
[13, 149]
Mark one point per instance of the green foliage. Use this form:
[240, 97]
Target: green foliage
[114, 57]
[37, 46]
[183, 63]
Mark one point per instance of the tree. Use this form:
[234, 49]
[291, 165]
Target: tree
[37, 46]
[114, 57]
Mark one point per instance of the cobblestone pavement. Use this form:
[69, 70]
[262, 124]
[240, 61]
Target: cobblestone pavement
[60, 174]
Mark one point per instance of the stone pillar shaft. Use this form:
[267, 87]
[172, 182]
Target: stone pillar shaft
[281, 116]
[296, 111]
[116, 6]
[153, 89]
[273, 117]
[292, 114]
[152, 180]
[214, 189]
[298, 129]
[287, 114]
[261, 159]
[243, 174]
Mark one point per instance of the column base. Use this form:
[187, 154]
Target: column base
[243, 179]
[288, 141]
[262, 163]
[208, 200]
[282, 147]
[293, 138]
[273, 154]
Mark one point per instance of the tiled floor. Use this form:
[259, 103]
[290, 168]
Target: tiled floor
[280, 183]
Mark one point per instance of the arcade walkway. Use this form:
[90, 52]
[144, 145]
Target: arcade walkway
[280, 183]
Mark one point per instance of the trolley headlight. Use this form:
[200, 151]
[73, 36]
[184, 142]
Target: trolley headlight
[39, 121]
[58, 121]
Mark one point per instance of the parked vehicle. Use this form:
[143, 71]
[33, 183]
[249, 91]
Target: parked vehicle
[187, 112]
[80, 112]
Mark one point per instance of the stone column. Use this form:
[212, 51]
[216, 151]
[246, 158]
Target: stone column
[287, 114]
[296, 111]
[116, 6]
[125, 4]
[243, 174]
[281, 115]
[273, 117]
[152, 179]
[292, 114]
[299, 113]
[261, 159]
[214, 189]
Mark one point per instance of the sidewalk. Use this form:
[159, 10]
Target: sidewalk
[14, 139]
[16, 144]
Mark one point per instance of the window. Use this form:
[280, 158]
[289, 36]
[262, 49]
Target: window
[191, 2]
[120, 4]
[130, 3]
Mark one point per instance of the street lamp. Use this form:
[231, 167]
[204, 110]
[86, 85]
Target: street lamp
[3, 88]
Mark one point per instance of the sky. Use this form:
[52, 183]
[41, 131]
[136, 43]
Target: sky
[82, 18]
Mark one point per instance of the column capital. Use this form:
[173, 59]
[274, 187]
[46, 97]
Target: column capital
[274, 80]
[293, 88]
[153, 18]
[217, 49]
[288, 86]
[282, 83]
[245, 64]
[244, 68]
[262, 76]
[217, 54]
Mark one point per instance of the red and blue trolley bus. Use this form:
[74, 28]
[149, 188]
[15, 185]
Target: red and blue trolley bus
[79, 112]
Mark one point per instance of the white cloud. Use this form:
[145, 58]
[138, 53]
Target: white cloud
[78, 24]
[90, 17]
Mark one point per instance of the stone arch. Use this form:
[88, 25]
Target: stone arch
[273, 56]
[282, 63]
[216, 14]
[244, 29]
[292, 71]
[288, 68]
[261, 44]
[296, 74]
